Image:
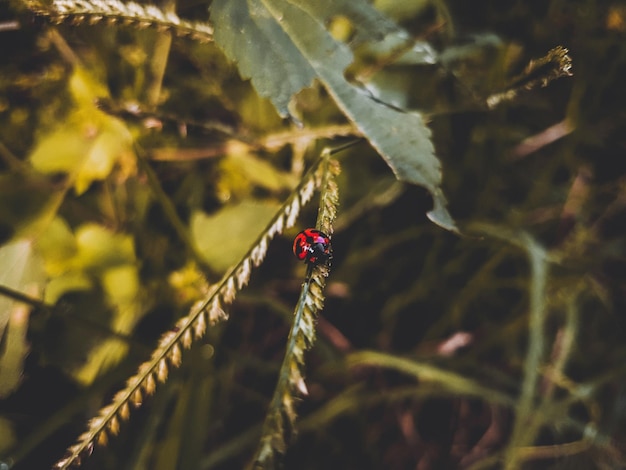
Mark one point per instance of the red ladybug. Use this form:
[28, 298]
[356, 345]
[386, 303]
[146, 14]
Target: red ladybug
[312, 247]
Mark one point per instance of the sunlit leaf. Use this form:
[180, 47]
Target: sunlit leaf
[122, 287]
[85, 89]
[61, 285]
[100, 358]
[242, 171]
[99, 248]
[110, 258]
[121, 283]
[95, 255]
[61, 151]
[106, 150]
[88, 144]
[57, 247]
[225, 236]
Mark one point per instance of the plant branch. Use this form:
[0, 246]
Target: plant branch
[77, 12]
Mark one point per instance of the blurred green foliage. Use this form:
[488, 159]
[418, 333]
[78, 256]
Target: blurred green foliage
[509, 335]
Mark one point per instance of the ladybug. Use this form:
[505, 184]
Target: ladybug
[312, 247]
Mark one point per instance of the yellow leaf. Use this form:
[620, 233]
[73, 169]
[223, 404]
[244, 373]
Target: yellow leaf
[60, 285]
[85, 89]
[100, 249]
[121, 283]
[57, 247]
[101, 357]
[60, 151]
[224, 237]
[89, 143]
[241, 170]
[99, 160]
[122, 286]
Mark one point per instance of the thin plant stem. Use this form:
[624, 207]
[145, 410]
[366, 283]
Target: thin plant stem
[523, 434]
[158, 60]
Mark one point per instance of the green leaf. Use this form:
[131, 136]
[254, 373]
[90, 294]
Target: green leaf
[100, 249]
[225, 236]
[70, 282]
[401, 138]
[110, 258]
[240, 168]
[403, 9]
[123, 290]
[88, 144]
[60, 151]
[250, 36]
[263, 52]
[101, 357]
[57, 247]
